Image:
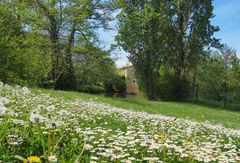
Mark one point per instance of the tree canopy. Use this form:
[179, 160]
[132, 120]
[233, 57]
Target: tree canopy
[173, 33]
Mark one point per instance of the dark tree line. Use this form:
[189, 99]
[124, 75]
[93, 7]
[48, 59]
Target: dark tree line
[217, 77]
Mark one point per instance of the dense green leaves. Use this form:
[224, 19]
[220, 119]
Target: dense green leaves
[18, 65]
[141, 34]
[41, 43]
[172, 33]
[220, 73]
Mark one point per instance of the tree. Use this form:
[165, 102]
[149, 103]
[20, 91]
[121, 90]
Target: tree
[141, 34]
[17, 64]
[95, 69]
[219, 76]
[93, 65]
[63, 21]
[191, 34]
[176, 32]
[38, 38]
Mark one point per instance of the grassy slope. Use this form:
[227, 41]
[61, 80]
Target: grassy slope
[181, 110]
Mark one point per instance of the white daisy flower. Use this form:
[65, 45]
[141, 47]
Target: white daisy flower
[52, 158]
[26, 91]
[63, 112]
[51, 108]
[36, 118]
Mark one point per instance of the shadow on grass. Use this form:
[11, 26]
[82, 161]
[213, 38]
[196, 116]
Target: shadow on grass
[202, 103]
[130, 101]
[216, 105]
[143, 102]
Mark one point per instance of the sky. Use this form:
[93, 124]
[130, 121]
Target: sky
[227, 17]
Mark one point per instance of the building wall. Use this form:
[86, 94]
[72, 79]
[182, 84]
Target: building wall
[131, 82]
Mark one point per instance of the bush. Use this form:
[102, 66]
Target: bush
[116, 84]
[166, 87]
[95, 89]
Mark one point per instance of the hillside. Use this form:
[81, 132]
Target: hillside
[58, 126]
[191, 111]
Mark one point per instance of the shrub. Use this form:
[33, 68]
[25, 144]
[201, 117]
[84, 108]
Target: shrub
[116, 84]
[95, 89]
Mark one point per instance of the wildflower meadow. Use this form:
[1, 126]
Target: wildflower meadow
[39, 128]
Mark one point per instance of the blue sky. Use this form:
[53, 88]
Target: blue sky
[227, 17]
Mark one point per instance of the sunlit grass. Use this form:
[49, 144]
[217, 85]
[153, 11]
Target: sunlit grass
[192, 111]
[55, 126]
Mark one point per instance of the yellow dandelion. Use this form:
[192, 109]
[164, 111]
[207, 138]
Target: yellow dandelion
[178, 133]
[32, 159]
[189, 143]
[163, 137]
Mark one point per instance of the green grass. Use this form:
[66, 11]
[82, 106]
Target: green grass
[192, 111]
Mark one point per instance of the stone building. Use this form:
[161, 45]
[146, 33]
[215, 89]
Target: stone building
[131, 82]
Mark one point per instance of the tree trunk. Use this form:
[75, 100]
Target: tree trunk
[151, 91]
[55, 50]
[181, 84]
[54, 37]
[225, 95]
[181, 89]
[150, 80]
[67, 79]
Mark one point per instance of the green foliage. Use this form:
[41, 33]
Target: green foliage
[41, 43]
[218, 74]
[173, 32]
[18, 65]
[65, 22]
[166, 84]
[94, 89]
[144, 23]
[94, 67]
[116, 84]
[191, 33]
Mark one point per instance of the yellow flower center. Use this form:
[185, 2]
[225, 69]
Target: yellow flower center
[32, 159]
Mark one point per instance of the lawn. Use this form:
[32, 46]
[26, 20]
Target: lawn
[200, 113]
[69, 127]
